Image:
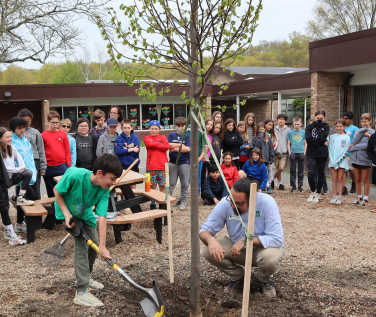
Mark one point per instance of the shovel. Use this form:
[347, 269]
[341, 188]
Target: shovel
[152, 305]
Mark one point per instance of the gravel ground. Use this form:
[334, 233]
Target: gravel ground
[328, 270]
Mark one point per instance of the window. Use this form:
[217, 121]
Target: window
[167, 116]
[134, 115]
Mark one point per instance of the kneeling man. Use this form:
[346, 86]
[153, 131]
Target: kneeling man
[228, 253]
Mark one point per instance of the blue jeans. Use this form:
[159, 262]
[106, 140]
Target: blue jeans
[199, 175]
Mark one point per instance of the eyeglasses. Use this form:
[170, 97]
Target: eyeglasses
[54, 123]
[83, 126]
[65, 126]
[237, 204]
[114, 112]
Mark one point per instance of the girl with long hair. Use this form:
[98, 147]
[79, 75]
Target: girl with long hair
[245, 149]
[250, 128]
[232, 140]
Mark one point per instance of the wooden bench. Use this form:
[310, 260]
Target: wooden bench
[34, 216]
[123, 222]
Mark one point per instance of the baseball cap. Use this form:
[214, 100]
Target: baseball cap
[111, 122]
[154, 122]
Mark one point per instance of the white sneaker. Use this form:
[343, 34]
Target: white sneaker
[22, 228]
[16, 240]
[87, 300]
[22, 201]
[311, 197]
[333, 200]
[6, 235]
[316, 199]
[339, 200]
[93, 284]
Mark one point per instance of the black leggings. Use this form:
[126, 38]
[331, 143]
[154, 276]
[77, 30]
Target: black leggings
[4, 205]
[319, 165]
[205, 167]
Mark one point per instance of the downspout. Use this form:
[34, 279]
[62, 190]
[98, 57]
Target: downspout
[339, 97]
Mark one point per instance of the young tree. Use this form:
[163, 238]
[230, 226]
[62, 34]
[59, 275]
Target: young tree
[38, 29]
[337, 17]
[177, 35]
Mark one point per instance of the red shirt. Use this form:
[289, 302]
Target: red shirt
[231, 174]
[157, 147]
[56, 147]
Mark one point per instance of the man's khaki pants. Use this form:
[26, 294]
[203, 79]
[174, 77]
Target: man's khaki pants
[267, 261]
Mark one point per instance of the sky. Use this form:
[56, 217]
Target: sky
[277, 20]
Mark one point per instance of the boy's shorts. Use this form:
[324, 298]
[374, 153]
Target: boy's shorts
[351, 167]
[280, 161]
[157, 178]
[134, 168]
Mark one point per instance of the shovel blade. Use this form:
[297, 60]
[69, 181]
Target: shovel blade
[153, 305]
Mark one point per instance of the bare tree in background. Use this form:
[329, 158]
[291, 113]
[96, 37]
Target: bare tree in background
[176, 35]
[337, 17]
[93, 69]
[39, 29]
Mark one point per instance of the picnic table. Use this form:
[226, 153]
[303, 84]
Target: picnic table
[132, 198]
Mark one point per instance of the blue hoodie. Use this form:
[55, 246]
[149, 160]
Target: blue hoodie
[122, 144]
[257, 171]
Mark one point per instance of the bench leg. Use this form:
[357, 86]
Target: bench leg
[164, 207]
[158, 229]
[118, 229]
[128, 194]
[33, 223]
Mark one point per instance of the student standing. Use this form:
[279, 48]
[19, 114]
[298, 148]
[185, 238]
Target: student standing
[229, 170]
[5, 183]
[37, 146]
[255, 170]
[245, 148]
[216, 142]
[181, 168]
[250, 129]
[297, 147]
[214, 187]
[269, 128]
[106, 142]
[209, 123]
[127, 146]
[360, 160]
[217, 116]
[265, 144]
[232, 141]
[280, 152]
[58, 155]
[350, 129]
[86, 145]
[338, 148]
[156, 146]
[65, 126]
[76, 193]
[317, 153]
[99, 118]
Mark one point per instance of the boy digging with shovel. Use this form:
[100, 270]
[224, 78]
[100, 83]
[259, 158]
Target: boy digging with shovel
[77, 191]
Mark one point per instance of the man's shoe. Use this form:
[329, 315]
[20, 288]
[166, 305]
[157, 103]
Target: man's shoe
[281, 187]
[16, 240]
[293, 189]
[317, 198]
[21, 229]
[300, 189]
[268, 289]
[324, 191]
[345, 192]
[232, 286]
[182, 206]
[311, 197]
[269, 190]
[22, 201]
[353, 188]
[87, 300]
[272, 184]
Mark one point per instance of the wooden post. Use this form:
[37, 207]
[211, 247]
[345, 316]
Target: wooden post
[169, 226]
[248, 256]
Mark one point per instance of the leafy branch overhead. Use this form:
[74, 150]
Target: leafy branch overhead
[157, 34]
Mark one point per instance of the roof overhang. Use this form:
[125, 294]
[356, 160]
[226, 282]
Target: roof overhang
[349, 52]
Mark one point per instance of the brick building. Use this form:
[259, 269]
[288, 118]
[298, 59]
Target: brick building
[341, 76]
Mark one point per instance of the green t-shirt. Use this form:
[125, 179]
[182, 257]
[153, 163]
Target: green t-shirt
[199, 141]
[80, 195]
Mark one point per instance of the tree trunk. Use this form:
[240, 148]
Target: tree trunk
[195, 296]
